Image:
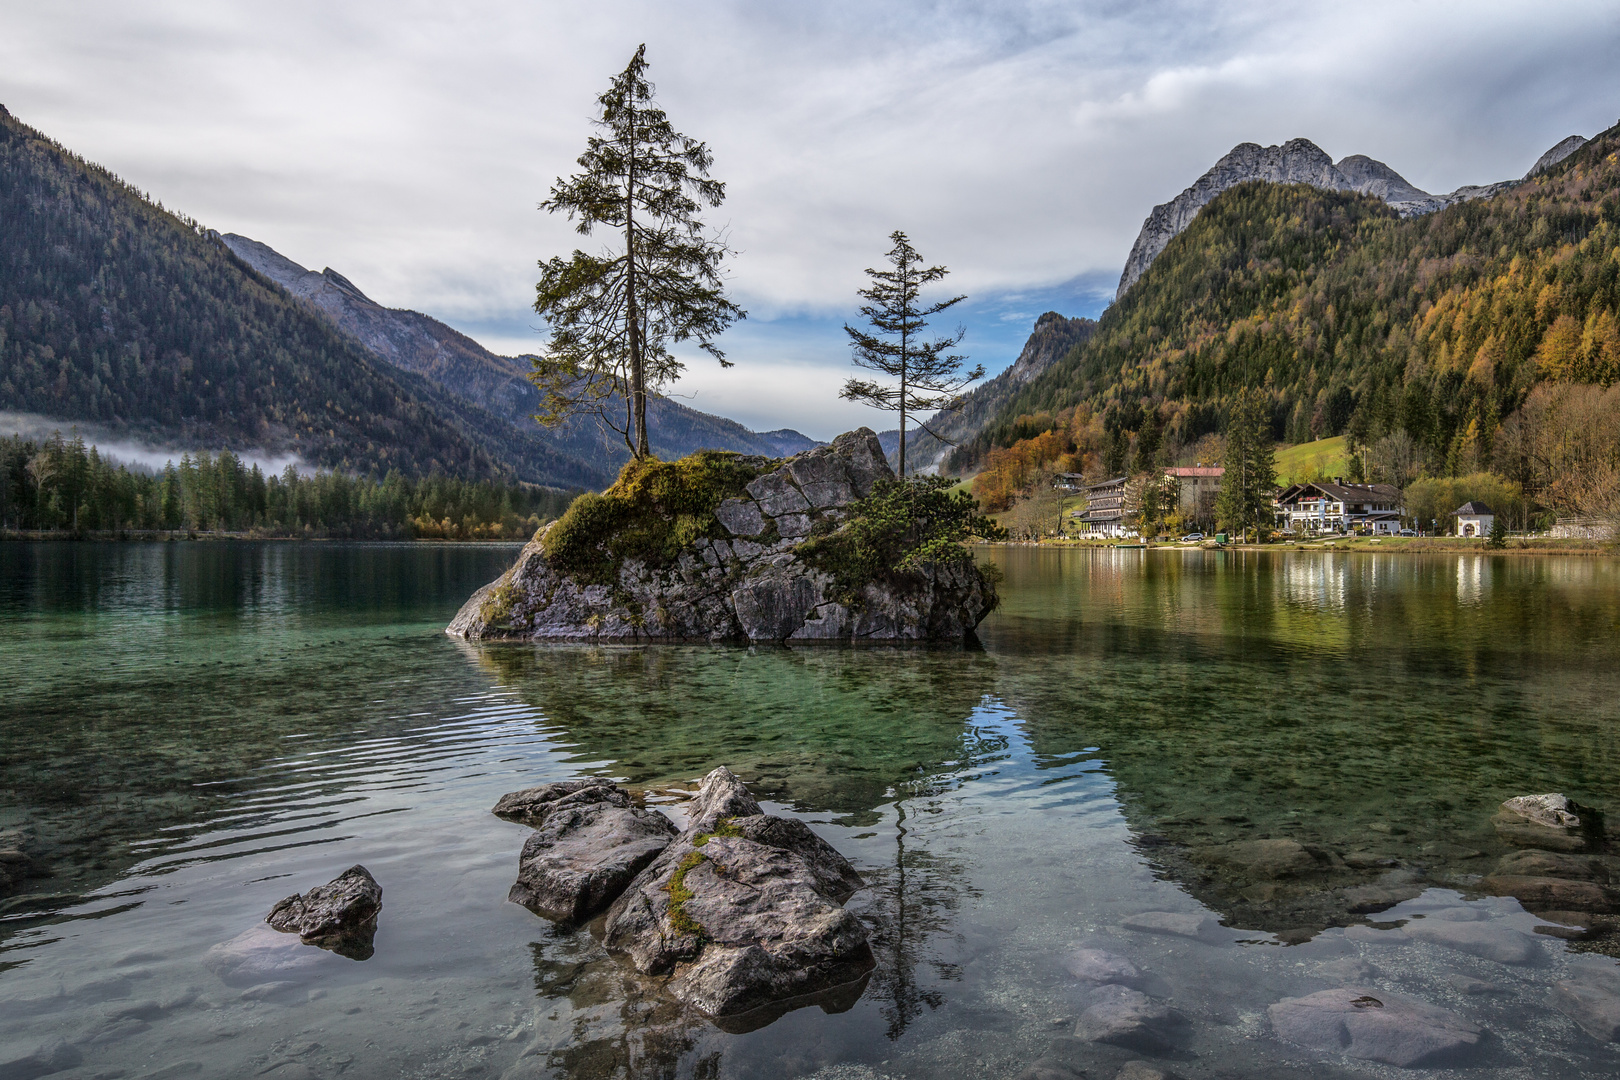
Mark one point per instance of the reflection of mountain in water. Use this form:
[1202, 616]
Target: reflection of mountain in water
[1247, 707]
[828, 729]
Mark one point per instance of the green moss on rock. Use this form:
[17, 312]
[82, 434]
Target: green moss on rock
[653, 511]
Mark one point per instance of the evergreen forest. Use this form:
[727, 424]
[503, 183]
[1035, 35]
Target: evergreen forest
[61, 485]
[116, 311]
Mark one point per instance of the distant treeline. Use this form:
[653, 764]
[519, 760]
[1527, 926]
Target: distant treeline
[63, 485]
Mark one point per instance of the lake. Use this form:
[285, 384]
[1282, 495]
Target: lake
[192, 731]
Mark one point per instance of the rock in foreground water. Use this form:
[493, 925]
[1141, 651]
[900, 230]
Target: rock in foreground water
[585, 853]
[744, 912]
[1124, 1017]
[1541, 821]
[340, 915]
[531, 805]
[1376, 1026]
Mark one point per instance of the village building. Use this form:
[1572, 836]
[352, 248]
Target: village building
[1104, 515]
[1474, 519]
[1200, 485]
[1320, 506]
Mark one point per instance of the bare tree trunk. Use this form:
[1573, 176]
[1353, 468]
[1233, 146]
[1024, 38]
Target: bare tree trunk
[638, 372]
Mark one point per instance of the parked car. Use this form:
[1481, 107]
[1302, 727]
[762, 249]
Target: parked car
[1406, 532]
[1192, 537]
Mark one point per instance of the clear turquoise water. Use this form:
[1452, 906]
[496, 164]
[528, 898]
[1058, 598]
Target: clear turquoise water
[189, 732]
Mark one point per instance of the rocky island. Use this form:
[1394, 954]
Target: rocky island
[826, 545]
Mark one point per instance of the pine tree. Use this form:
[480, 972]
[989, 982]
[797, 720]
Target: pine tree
[613, 316]
[1250, 478]
[931, 377]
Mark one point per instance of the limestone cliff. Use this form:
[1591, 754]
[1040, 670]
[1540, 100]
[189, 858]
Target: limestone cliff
[744, 577]
[1300, 161]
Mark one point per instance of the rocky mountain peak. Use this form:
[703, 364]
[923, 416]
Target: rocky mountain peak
[1558, 153]
[1300, 161]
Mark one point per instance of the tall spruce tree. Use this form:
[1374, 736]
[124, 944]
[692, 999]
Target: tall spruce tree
[1251, 476]
[930, 376]
[614, 316]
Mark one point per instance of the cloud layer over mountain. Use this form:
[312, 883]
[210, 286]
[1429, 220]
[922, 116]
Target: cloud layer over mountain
[1020, 143]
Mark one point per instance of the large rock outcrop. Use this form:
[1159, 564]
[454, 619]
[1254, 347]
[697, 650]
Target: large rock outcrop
[744, 578]
[1300, 161]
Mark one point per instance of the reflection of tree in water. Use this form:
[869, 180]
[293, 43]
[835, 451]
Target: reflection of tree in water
[911, 902]
[619, 1024]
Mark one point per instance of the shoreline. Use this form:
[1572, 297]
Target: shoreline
[1422, 545]
[175, 536]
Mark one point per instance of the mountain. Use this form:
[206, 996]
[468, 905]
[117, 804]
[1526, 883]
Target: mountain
[115, 311]
[1434, 327]
[499, 385]
[1049, 341]
[1300, 161]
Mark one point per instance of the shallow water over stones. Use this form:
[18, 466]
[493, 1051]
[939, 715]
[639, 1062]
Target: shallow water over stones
[1171, 792]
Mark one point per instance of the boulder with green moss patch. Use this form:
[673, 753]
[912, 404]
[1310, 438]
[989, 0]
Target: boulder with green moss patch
[719, 546]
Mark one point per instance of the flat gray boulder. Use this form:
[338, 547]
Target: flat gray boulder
[1592, 999]
[1175, 923]
[582, 856]
[1100, 966]
[740, 922]
[531, 805]
[261, 955]
[1548, 821]
[340, 915]
[1487, 940]
[1124, 1017]
[1376, 1026]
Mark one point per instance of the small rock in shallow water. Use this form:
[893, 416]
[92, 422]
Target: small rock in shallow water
[1540, 821]
[340, 915]
[1367, 899]
[583, 856]
[1555, 893]
[42, 1060]
[1592, 1005]
[1467, 984]
[1532, 863]
[260, 955]
[1552, 810]
[531, 805]
[1375, 1025]
[1141, 1070]
[1124, 1017]
[1050, 1069]
[1268, 859]
[1101, 966]
[1179, 924]
[1502, 944]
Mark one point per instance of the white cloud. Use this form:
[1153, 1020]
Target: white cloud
[1020, 143]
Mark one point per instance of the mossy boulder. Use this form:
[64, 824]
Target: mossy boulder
[825, 545]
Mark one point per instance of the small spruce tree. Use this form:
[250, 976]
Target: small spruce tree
[930, 376]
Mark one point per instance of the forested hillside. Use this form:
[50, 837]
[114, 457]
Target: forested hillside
[1425, 336]
[116, 311]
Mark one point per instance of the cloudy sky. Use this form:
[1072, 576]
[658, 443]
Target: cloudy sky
[406, 143]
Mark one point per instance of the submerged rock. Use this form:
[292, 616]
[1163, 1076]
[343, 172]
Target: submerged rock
[1592, 999]
[1100, 966]
[741, 576]
[260, 955]
[1124, 1017]
[340, 915]
[1376, 1026]
[743, 910]
[1541, 821]
[1176, 923]
[1488, 941]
